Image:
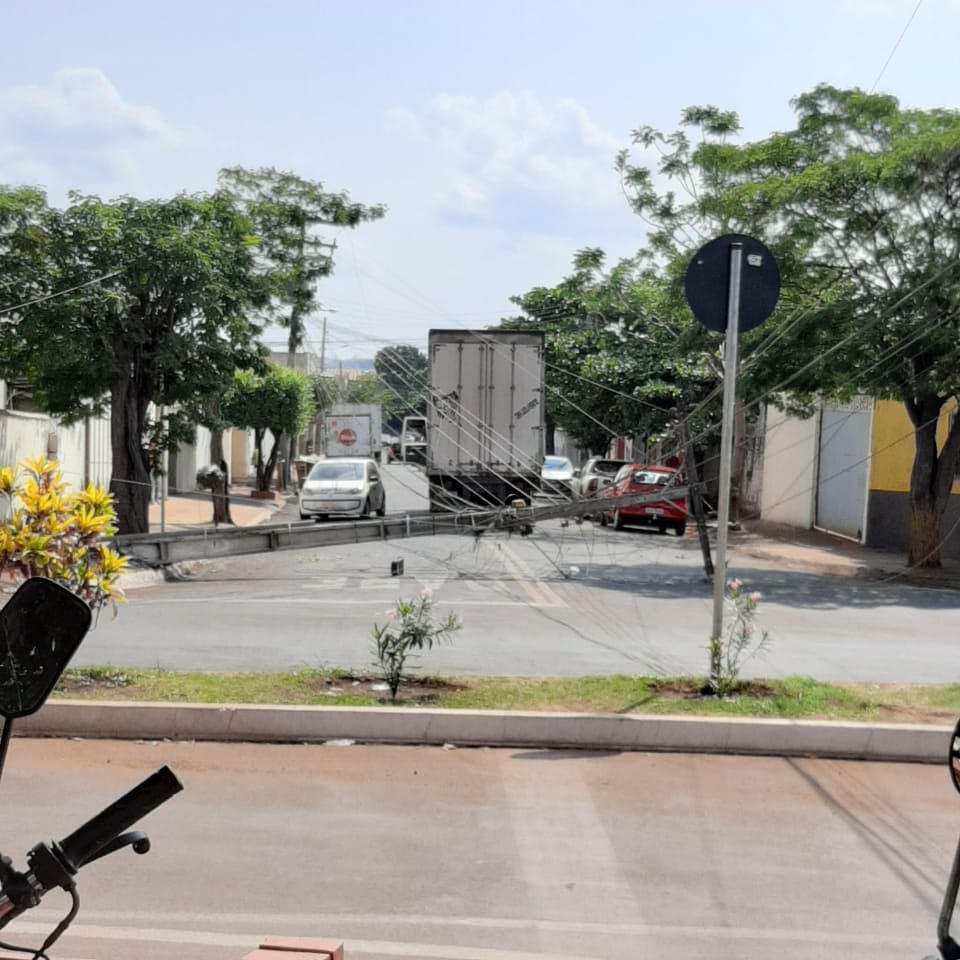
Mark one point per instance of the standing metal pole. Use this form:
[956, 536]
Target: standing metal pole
[726, 449]
[163, 478]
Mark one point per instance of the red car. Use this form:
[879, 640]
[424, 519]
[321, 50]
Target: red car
[663, 514]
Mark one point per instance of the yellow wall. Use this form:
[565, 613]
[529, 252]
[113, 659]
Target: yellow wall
[892, 445]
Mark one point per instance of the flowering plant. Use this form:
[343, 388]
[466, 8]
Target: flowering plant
[412, 627]
[47, 531]
[739, 642]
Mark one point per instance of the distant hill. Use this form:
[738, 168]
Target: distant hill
[351, 363]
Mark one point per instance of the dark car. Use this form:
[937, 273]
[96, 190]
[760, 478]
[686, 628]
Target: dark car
[666, 514]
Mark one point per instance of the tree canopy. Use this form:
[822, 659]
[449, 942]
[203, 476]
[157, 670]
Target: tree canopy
[280, 401]
[402, 370]
[616, 361]
[134, 302]
[288, 210]
[859, 201]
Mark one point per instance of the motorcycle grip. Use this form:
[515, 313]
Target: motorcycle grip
[87, 840]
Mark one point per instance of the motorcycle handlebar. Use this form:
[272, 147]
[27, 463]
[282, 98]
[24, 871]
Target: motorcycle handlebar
[86, 841]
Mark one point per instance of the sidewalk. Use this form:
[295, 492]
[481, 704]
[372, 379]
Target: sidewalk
[824, 553]
[193, 511]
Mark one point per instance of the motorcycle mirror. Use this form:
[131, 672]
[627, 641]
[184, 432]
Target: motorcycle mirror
[955, 756]
[41, 626]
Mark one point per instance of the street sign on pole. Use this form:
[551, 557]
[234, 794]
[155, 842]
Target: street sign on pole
[747, 272]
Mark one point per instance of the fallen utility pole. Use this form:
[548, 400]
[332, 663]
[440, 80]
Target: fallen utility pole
[158, 550]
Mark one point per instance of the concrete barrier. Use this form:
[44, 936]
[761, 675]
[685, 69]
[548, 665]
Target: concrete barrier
[297, 724]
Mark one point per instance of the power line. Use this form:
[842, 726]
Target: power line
[896, 46]
[6, 311]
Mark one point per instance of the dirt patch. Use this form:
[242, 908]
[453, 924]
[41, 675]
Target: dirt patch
[415, 691]
[904, 713]
[683, 689]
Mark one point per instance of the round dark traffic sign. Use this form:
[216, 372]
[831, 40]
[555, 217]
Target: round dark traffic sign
[707, 283]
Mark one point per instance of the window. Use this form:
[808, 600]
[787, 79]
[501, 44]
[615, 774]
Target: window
[331, 470]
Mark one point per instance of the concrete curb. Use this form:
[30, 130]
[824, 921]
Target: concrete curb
[285, 724]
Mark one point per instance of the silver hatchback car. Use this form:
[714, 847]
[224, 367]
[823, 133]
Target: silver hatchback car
[343, 487]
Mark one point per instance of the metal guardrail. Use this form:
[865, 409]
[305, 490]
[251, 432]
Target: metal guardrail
[163, 549]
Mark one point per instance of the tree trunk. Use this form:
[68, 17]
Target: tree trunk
[739, 464]
[221, 488]
[130, 480]
[263, 478]
[550, 440]
[924, 537]
[931, 479]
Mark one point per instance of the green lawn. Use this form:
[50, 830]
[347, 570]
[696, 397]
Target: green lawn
[794, 697]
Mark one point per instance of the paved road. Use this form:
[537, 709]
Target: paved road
[494, 854]
[571, 600]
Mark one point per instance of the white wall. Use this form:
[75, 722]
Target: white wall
[789, 464]
[189, 459]
[25, 436]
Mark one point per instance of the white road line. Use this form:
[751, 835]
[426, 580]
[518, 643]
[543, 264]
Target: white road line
[136, 929]
[581, 878]
[540, 593]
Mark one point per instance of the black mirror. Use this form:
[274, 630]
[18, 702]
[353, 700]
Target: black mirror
[41, 627]
[955, 756]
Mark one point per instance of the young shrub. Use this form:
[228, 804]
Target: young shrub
[411, 629]
[50, 532]
[741, 641]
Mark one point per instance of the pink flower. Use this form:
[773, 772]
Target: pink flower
[735, 584]
[426, 593]
[756, 596]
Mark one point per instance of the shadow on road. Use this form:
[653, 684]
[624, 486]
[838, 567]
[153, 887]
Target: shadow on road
[784, 587]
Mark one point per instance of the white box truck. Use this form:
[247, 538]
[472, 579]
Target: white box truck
[485, 417]
[353, 430]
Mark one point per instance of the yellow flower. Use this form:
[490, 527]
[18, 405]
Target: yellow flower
[111, 563]
[8, 481]
[87, 522]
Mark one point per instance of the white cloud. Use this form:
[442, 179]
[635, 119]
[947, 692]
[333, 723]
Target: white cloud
[77, 131]
[511, 144]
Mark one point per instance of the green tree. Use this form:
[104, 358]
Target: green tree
[280, 401]
[615, 363]
[402, 370]
[367, 388]
[134, 302]
[860, 199]
[288, 211]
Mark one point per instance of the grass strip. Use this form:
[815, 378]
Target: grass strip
[789, 698]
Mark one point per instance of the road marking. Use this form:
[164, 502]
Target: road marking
[583, 878]
[287, 601]
[257, 922]
[540, 593]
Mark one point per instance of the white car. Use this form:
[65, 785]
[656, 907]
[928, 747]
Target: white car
[557, 476]
[343, 487]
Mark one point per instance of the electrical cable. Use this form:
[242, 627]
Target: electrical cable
[6, 311]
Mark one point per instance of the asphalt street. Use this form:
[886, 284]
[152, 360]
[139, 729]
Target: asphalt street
[410, 852]
[573, 599]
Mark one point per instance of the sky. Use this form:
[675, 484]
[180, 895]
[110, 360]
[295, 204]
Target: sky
[488, 128]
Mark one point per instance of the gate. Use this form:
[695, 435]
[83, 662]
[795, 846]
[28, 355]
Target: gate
[843, 469]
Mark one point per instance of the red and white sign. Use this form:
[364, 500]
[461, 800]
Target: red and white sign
[347, 438]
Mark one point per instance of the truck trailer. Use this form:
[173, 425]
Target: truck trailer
[353, 430]
[485, 417]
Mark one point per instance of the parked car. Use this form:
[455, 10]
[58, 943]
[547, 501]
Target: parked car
[663, 514]
[597, 473]
[557, 476]
[389, 446]
[343, 487]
